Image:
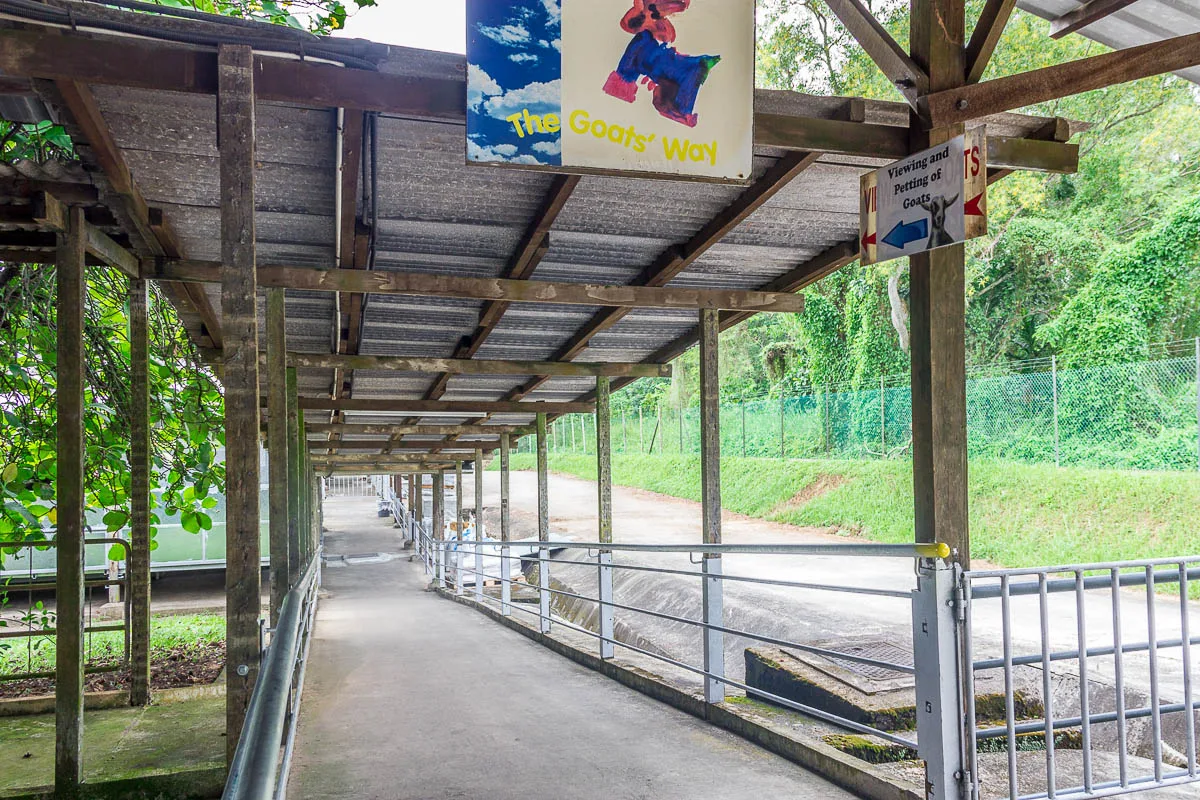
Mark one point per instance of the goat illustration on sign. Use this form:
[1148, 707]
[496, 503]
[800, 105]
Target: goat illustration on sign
[673, 78]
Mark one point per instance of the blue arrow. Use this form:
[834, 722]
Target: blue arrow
[906, 232]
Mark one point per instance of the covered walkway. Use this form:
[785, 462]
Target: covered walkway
[411, 696]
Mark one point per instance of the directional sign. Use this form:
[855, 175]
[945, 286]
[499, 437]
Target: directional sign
[931, 199]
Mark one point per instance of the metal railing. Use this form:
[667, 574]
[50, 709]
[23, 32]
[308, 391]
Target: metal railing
[1112, 664]
[33, 626]
[463, 562]
[261, 762]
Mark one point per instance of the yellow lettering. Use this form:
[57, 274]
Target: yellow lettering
[515, 119]
[580, 123]
[552, 123]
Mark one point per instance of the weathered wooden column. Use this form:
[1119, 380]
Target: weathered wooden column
[543, 483]
[479, 524]
[604, 514]
[710, 500]
[139, 493]
[439, 527]
[505, 530]
[459, 516]
[235, 134]
[68, 695]
[277, 447]
[293, 479]
[937, 308]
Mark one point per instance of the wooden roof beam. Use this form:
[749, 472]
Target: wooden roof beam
[466, 366]
[889, 56]
[986, 36]
[429, 285]
[359, 444]
[525, 259]
[474, 408]
[967, 103]
[148, 65]
[84, 110]
[1086, 14]
[366, 429]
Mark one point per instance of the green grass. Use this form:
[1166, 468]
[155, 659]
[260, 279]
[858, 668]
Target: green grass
[1020, 515]
[166, 633]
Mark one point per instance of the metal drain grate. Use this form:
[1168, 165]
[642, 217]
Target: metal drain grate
[880, 651]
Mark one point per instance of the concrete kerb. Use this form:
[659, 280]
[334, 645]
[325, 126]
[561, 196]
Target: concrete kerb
[118, 698]
[846, 771]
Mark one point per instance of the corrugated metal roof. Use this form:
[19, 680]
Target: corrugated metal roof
[1143, 22]
[433, 213]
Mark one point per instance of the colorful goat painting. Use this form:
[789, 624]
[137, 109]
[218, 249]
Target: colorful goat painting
[658, 87]
[672, 77]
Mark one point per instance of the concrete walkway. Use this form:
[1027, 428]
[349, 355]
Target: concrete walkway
[409, 695]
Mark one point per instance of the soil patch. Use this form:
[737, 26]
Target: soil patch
[185, 665]
[822, 485]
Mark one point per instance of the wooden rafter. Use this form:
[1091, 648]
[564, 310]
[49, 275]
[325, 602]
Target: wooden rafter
[677, 258]
[151, 229]
[986, 36]
[364, 429]
[379, 444]
[467, 366]
[525, 259]
[478, 408]
[429, 285]
[889, 56]
[962, 104]
[1086, 14]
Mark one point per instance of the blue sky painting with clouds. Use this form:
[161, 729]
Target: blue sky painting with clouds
[514, 64]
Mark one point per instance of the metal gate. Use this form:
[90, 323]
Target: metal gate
[1082, 679]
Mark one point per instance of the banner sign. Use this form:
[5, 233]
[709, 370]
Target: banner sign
[630, 86]
[932, 199]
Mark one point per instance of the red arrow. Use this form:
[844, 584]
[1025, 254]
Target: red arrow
[971, 207]
[868, 239]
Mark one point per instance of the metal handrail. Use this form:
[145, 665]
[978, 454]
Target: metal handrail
[256, 769]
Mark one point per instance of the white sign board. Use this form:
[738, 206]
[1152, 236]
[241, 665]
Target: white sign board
[931, 199]
[627, 86]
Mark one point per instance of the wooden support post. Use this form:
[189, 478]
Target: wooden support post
[543, 483]
[604, 458]
[478, 526]
[459, 516]
[604, 533]
[235, 134]
[505, 526]
[710, 500]
[139, 494]
[938, 311]
[295, 454]
[439, 526]
[68, 696]
[277, 447]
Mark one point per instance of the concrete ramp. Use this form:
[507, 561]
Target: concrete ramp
[409, 696]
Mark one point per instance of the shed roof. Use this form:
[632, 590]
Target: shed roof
[1141, 22]
[426, 210]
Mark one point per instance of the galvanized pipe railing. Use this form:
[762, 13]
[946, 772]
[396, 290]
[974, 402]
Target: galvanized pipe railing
[258, 772]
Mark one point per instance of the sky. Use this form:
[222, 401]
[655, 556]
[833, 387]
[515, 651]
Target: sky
[437, 25]
[514, 65]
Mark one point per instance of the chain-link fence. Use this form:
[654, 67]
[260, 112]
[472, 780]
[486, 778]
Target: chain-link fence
[1139, 415]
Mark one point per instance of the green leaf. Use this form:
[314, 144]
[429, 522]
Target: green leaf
[115, 520]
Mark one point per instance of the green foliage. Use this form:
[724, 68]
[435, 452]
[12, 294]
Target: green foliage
[186, 408]
[40, 142]
[317, 16]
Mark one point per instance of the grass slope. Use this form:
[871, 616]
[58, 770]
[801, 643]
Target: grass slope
[1020, 515]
